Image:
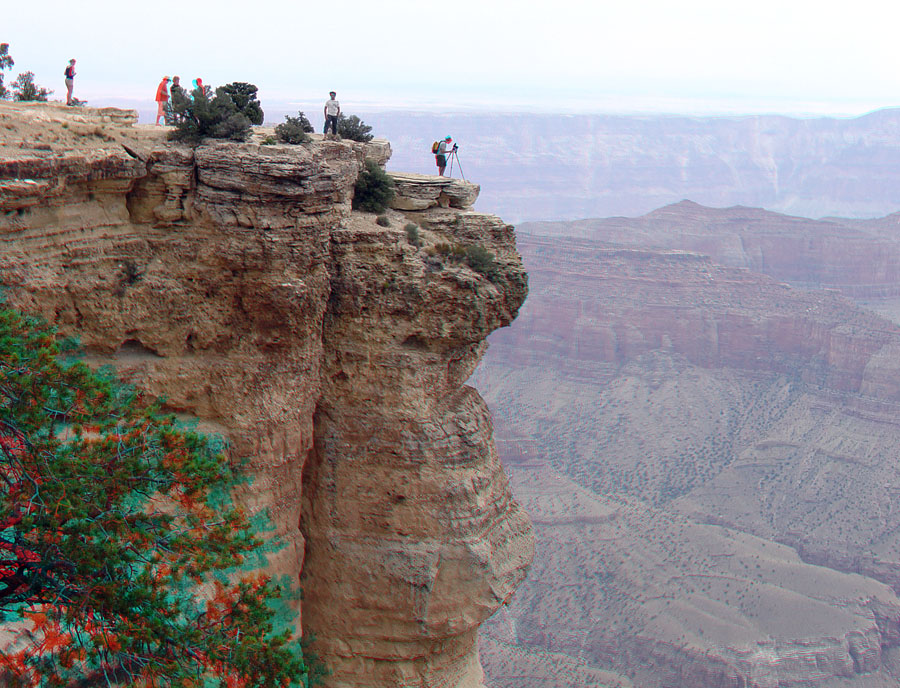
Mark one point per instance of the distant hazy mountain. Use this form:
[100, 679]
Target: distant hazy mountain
[535, 167]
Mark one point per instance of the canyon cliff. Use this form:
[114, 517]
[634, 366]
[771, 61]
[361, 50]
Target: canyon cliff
[708, 453]
[234, 281]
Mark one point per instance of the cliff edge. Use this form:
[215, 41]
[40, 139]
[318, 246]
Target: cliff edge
[234, 281]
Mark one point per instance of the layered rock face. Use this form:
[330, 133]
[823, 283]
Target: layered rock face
[709, 457]
[860, 258]
[234, 280]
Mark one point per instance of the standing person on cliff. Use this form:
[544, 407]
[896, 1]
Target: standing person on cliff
[332, 112]
[162, 97]
[70, 82]
[176, 93]
[440, 157]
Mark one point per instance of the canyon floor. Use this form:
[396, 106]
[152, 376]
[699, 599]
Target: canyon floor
[703, 425]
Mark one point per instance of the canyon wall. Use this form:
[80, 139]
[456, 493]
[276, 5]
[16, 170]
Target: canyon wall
[234, 281]
[709, 459]
[860, 258]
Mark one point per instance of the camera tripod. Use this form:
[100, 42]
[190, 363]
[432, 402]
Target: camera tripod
[455, 156]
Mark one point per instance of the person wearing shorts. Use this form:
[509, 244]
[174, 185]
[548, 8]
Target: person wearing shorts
[162, 97]
[70, 82]
[440, 158]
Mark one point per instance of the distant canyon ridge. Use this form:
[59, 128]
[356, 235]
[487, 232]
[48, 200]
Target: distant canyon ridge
[563, 167]
[699, 410]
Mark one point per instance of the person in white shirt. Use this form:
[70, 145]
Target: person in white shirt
[332, 112]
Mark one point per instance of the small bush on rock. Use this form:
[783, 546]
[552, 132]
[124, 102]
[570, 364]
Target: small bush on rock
[383, 221]
[294, 130]
[476, 257]
[481, 260]
[227, 115]
[354, 128]
[412, 234]
[374, 189]
[243, 95]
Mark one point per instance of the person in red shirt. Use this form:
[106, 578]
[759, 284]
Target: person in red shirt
[162, 97]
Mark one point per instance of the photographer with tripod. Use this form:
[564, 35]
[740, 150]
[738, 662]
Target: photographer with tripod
[440, 155]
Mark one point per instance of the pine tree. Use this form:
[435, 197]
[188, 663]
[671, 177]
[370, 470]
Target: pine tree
[6, 62]
[120, 553]
[24, 89]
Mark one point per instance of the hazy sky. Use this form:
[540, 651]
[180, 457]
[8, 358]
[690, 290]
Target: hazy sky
[792, 56]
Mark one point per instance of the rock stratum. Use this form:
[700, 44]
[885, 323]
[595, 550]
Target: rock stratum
[708, 454]
[859, 258]
[234, 281]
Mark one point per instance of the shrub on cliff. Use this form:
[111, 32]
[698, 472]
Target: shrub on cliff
[412, 234]
[294, 129]
[476, 257]
[374, 189]
[112, 520]
[243, 95]
[24, 89]
[482, 261]
[354, 128]
[228, 114]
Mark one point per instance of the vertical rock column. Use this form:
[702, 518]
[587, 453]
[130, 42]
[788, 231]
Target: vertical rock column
[412, 536]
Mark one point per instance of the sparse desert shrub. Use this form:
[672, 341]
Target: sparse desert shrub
[412, 234]
[269, 141]
[476, 257]
[383, 221]
[374, 189]
[294, 130]
[24, 89]
[354, 128]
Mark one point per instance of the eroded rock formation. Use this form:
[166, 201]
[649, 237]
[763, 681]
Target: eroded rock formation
[234, 280]
[709, 456]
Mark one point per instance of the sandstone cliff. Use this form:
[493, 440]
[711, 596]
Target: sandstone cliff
[234, 281]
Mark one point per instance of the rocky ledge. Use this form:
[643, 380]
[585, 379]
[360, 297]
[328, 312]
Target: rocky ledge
[235, 281]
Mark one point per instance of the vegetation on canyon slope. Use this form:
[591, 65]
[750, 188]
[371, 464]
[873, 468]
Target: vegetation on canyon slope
[374, 189]
[120, 552]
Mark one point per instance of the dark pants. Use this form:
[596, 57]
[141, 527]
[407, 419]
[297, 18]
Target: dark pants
[332, 120]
